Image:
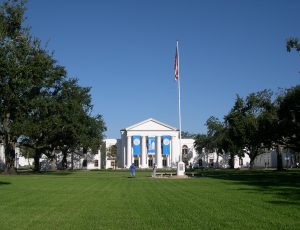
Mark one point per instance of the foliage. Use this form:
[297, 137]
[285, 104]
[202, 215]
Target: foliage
[289, 119]
[217, 140]
[73, 127]
[18, 65]
[292, 43]
[249, 122]
[201, 143]
[112, 151]
[39, 106]
[187, 134]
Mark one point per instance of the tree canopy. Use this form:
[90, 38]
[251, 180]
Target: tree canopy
[289, 119]
[40, 107]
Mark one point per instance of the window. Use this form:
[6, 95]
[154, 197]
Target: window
[211, 162]
[150, 162]
[96, 163]
[241, 161]
[185, 150]
[164, 162]
[200, 163]
[112, 163]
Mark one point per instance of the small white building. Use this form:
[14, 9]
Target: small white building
[109, 161]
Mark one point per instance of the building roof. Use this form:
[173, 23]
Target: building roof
[150, 124]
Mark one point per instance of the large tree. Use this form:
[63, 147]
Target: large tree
[289, 119]
[217, 140]
[38, 124]
[39, 106]
[76, 129]
[222, 141]
[19, 72]
[60, 120]
[249, 122]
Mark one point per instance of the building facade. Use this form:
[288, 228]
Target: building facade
[152, 142]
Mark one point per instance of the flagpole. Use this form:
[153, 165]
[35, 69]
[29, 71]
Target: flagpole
[179, 104]
[180, 164]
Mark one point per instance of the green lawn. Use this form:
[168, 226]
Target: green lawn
[113, 200]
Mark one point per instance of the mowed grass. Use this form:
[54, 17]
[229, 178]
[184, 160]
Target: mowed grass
[112, 200]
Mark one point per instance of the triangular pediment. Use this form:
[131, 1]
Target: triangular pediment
[151, 124]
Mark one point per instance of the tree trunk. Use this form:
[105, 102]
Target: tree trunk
[252, 158]
[251, 163]
[279, 158]
[231, 161]
[252, 155]
[36, 159]
[53, 163]
[72, 161]
[64, 163]
[9, 150]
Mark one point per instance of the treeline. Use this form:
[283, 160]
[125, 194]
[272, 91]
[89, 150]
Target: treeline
[42, 110]
[256, 124]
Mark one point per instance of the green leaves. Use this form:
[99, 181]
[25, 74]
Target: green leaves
[292, 43]
[37, 100]
[248, 122]
[289, 119]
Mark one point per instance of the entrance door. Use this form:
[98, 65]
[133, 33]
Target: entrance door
[136, 162]
[165, 162]
[150, 162]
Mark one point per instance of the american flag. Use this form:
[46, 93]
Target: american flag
[176, 65]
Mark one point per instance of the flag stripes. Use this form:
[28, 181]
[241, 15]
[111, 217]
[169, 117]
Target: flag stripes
[176, 65]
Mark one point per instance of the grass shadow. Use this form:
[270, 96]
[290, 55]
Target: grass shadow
[58, 173]
[4, 183]
[48, 173]
[283, 185]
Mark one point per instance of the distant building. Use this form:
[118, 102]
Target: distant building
[147, 143]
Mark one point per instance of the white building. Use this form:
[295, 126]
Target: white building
[152, 141]
[146, 143]
[213, 160]
[109, 161]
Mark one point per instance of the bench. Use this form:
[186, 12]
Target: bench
[192, 174]
[165, 174]
[195, 174]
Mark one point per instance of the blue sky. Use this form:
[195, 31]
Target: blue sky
[125, 51]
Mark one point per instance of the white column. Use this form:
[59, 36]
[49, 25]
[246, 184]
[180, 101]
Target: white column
[158, 152]
[2, 158]
[99, 159]
[123, 151]
[144, 155]
[129, 151]
[173, 163]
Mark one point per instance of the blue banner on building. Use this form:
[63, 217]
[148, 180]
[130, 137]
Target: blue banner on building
[151, 145]
[136, 145]
[166, 145]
